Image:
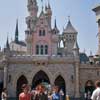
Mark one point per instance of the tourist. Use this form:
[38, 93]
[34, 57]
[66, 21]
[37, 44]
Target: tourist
[96, 92]
[4, 94]
[35, 93]
[56, 95]
[41, 93]
[25, 95]
[61, 94]
[49, 95]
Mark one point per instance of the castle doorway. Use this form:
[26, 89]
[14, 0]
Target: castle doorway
[59, 81]
[40, 78]
[22, 80]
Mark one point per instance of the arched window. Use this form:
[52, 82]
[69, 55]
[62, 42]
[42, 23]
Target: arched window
[46, 49]
[37, 49]
[41, 32]
[42, 47]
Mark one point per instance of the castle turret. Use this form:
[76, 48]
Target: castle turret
[48, 13]
[97, 11]
[32, 7]
[33, 10]
[7, 44]
[7, 47]
[55, 29]
[55, 39]
[31, 22]
[69, 37]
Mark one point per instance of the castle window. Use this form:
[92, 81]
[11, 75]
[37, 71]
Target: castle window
[46, 49]
[41, 32]
[37, 49]
[41, 22]
[42, 49]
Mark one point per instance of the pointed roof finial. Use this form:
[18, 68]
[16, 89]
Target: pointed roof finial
[55, 23]
[16, 31]
[69, 28]
[42, 4]
[46, 7]
[49, 4]
[55, 27]
[7, 43]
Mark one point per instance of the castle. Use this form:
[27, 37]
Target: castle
[42, 59]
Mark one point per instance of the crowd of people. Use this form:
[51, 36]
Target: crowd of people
[40, 93]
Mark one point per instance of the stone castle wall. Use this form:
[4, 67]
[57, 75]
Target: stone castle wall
[53, 69]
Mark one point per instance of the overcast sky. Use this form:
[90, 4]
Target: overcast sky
[80, 12]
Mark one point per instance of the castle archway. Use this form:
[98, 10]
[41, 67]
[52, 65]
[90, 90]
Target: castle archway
[60, 82]
[40, 77]
[22, 80]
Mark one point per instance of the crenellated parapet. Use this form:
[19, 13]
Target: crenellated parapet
[33, 59]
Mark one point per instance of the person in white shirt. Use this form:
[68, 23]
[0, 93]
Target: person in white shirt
[96, 92]
[4, 94]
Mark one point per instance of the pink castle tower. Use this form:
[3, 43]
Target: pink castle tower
[41, 39]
